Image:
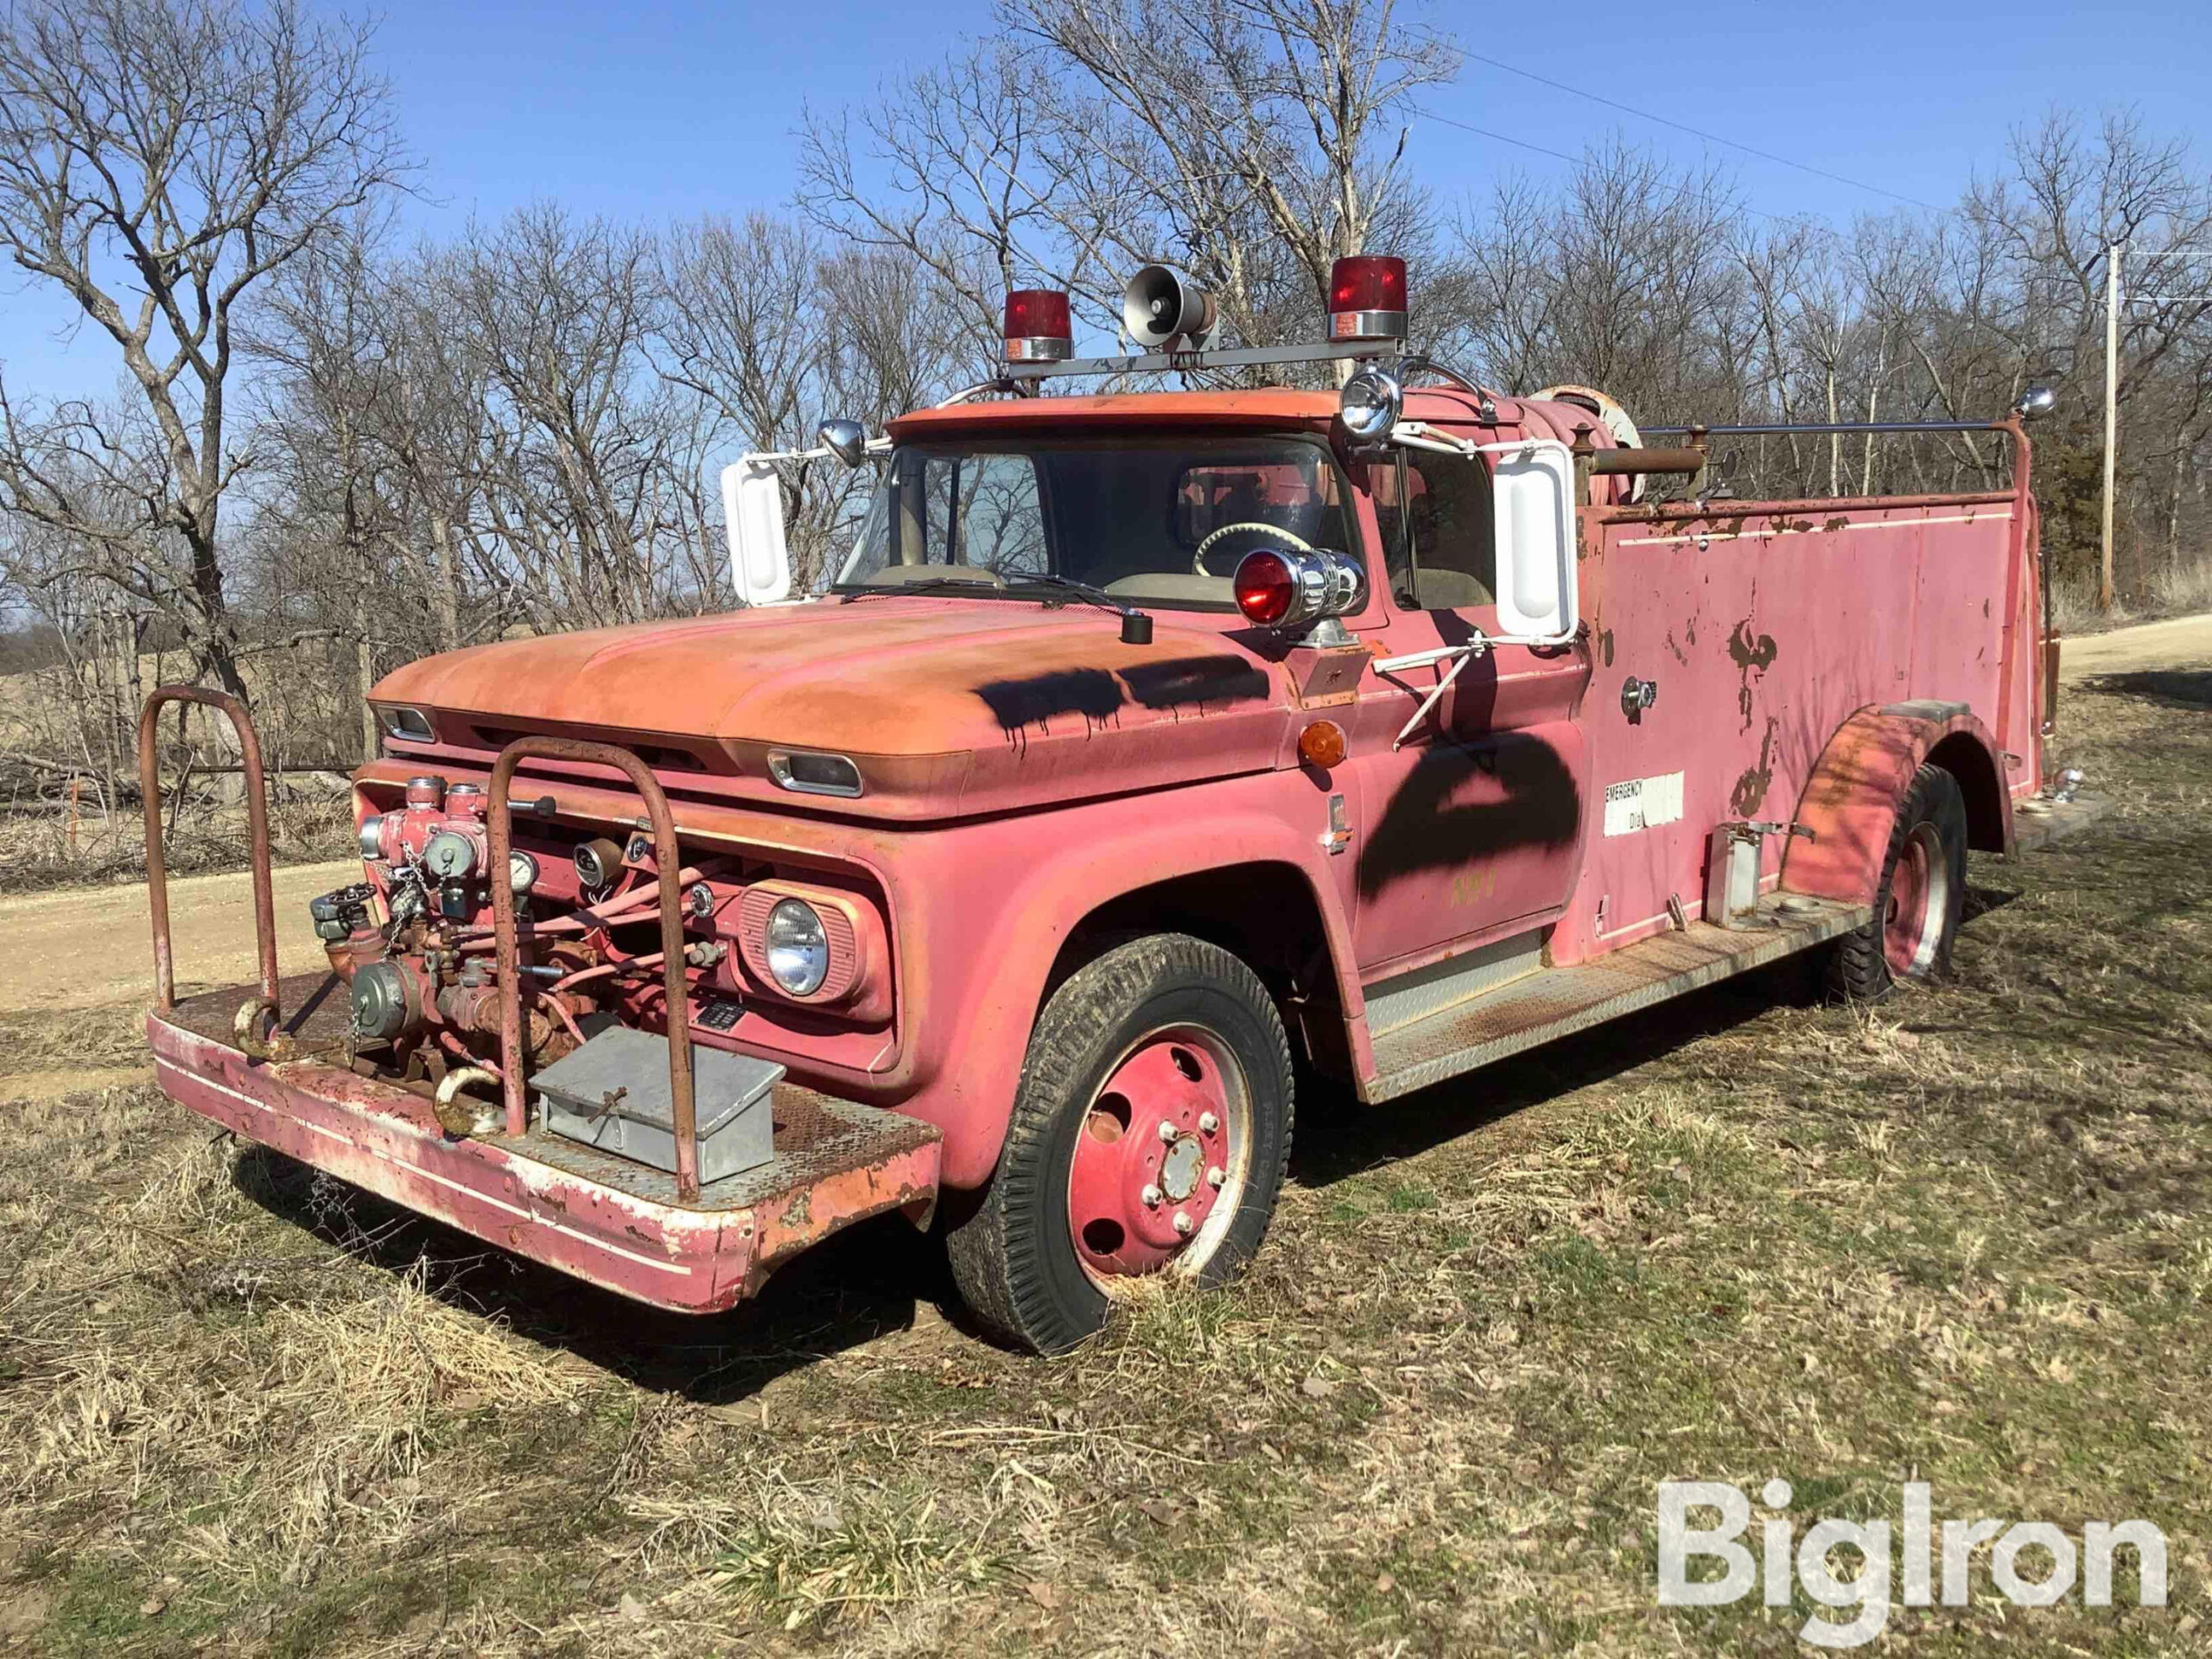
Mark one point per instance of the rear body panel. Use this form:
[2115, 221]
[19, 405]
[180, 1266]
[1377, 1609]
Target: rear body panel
[1766, 628]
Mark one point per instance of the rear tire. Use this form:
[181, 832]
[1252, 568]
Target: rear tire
[1920, 899]
[1095, 1185]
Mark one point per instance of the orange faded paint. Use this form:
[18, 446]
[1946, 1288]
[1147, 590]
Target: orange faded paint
[1850, 802]
[950, 706]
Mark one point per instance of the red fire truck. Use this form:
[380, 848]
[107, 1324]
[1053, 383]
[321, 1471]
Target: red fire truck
[1144, 753]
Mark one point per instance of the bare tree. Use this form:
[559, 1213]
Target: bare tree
[1285, 107]
[183, 150]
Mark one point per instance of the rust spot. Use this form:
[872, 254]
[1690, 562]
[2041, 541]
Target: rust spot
[1605, 646]
[1751, 652]
[1840, 521]
[1681, 656]
[1752, 656]
[1750, 793]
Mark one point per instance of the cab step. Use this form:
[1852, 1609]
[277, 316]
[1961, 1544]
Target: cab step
[1534, 1007]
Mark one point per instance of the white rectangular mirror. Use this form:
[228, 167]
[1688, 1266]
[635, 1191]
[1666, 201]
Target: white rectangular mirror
[1533, 489]
[752, 508]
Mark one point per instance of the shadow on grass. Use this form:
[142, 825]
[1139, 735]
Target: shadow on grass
[2176, 687]
[865, 1283]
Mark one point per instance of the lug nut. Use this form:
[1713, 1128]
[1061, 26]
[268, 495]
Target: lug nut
[1167, 1133]
[1149, 1196]
[1216, 1176]
[1183, 1225]
[1207, 1122]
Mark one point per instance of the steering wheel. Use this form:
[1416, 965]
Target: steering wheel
[1199, 558]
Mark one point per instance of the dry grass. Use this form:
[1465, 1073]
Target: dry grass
[2182, 590]
[1968, 1234]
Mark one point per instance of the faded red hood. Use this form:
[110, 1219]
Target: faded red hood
[988, 703]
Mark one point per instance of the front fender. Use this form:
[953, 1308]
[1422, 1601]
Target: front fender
[1850, 802]
[985, 914]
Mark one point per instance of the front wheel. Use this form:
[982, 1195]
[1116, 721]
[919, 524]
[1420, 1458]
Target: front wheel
[1149, 1135]
[1922, 895]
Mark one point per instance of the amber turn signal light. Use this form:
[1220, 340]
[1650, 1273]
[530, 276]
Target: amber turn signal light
[1322, 744]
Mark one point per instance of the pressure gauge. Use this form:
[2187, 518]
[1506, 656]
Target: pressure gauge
[522, 871]
[449, 856]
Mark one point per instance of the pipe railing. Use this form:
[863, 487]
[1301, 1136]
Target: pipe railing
[1848, 428]
[683, 1102]
[158, 883]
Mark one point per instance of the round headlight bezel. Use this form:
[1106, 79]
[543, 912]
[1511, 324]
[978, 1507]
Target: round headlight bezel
[809, 956]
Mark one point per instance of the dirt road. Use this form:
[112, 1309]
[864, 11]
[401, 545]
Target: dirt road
[2179, 642]
[93, 947]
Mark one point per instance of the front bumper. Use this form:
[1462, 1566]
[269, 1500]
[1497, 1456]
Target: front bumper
[615, 1223]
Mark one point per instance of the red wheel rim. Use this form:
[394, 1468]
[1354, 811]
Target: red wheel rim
[1160, 1158]
[1917, 902]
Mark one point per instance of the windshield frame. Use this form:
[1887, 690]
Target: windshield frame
[1202, 444]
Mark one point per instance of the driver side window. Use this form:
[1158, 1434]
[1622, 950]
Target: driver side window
[1438, 532]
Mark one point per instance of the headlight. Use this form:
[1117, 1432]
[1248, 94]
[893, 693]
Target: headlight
[798, 949]
[410, 723]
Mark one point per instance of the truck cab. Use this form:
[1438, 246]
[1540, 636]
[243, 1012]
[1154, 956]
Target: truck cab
[1144, 753]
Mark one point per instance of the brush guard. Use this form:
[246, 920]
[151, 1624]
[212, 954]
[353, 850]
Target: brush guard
[292, 1084]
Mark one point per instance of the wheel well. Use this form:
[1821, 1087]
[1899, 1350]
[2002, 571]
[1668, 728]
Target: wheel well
[1962, 755]
[1265, 913]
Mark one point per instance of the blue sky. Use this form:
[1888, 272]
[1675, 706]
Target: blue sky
[659, 111]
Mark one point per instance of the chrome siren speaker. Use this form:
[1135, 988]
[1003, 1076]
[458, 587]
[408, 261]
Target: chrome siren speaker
[1160, 303]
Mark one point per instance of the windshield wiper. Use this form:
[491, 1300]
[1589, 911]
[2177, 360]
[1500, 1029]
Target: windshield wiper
[850, 591]
[1137, 625]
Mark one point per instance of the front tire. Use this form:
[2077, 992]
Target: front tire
[1920, 899]
[1149, 1134]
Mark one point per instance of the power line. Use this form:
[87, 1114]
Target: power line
[1574, 160]
[1695, 132]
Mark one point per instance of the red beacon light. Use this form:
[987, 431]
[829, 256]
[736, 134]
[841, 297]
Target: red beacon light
[1265, 588]
[1037, 327]
[1290, 587]
[1367, 297]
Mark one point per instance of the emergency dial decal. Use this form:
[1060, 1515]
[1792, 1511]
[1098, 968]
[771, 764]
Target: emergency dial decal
[1643, 803]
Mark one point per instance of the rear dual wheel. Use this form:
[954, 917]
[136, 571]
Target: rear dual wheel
[1149, 1135]
[1921, 897]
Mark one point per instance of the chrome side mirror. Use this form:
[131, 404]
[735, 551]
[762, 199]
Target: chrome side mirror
[847, 440]
[1370, 403]
[2036, 403]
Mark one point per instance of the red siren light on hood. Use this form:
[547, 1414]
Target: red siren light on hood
[1265, 588]
[1037, 327]
[1367, 297]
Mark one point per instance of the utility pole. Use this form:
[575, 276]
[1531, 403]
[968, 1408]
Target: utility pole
[2111, 413]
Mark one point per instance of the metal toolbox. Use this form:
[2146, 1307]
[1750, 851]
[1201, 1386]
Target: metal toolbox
[612, 1094]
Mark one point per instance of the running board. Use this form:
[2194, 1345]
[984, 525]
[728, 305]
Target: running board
[1558, 1002]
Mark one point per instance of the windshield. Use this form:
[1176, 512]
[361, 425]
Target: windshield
[1153, 521]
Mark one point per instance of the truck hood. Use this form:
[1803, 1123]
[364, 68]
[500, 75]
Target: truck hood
[950, 706]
